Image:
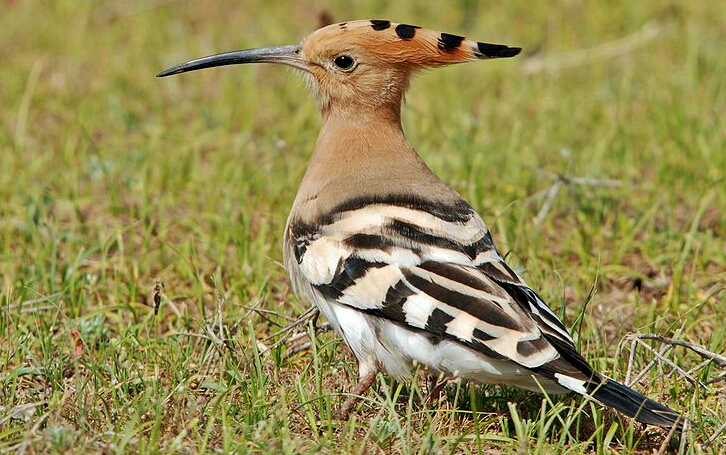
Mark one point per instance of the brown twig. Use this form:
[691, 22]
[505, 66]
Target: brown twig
[648, 367]
[263, 311]
[556, 62]
[43, 299]
[669, 436]
[560, 180]
[718, 378]
[292, 340]
[715, 435]
[670, 363]
[310, 313]
[582, 181]
[701, 351]
[549, 200]
[668, 343]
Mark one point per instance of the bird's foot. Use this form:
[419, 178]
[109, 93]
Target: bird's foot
[364, 383]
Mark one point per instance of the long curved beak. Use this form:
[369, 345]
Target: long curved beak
[285, 55]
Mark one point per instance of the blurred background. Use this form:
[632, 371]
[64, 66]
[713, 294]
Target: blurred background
[140, 218]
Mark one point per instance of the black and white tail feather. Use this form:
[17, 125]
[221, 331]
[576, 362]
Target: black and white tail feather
[407, 281]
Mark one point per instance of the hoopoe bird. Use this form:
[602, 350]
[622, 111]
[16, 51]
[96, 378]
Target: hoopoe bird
[399, 263]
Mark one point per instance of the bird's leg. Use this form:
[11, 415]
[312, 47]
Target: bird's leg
[365, 380]
[436, 386]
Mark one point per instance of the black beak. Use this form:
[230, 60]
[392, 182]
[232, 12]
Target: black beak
[285, 55]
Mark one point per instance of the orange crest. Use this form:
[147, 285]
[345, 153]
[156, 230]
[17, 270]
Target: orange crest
[401, 43]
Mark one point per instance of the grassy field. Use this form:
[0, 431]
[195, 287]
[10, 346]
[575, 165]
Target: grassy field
[141, 221]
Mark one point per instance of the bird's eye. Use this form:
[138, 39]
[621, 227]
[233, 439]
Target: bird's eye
[344, 62]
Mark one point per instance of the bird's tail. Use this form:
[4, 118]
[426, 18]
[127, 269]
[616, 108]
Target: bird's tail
[635, 405]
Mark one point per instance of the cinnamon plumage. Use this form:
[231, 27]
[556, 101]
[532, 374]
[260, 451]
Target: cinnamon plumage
[400, 264]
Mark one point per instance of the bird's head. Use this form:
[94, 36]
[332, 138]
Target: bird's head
[361, 67]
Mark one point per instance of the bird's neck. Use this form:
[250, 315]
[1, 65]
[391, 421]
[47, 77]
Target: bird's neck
[363, 157]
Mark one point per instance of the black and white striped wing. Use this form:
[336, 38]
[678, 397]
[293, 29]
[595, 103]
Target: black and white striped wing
[429, 268]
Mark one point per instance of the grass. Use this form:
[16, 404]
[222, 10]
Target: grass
[113, 182]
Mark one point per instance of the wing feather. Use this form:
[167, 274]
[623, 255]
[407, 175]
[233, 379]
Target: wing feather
[433, 269]
[429, 272]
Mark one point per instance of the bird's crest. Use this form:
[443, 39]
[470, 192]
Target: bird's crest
[405, 44]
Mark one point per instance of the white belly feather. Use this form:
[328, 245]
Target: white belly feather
[397, 350]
